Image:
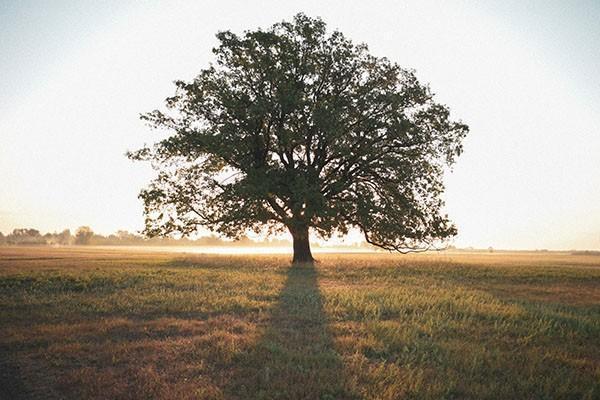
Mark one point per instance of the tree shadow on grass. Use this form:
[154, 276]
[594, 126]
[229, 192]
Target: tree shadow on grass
[295, 357]
[11, 382]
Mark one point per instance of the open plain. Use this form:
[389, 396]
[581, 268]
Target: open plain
[85, 322]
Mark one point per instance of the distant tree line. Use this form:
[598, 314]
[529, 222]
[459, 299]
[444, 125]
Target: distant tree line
[84, 235]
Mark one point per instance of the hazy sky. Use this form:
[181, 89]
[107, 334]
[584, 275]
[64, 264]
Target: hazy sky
[524, 75]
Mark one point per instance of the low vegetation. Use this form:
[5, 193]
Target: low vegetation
[95, 323]
[84, 235]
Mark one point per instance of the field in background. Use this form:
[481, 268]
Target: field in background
[104, 323]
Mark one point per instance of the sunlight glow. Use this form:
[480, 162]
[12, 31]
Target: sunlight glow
[523, 77]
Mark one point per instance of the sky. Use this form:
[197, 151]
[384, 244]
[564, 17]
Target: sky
[75, 75]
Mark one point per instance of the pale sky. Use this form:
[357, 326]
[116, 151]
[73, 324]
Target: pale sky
[74, 77]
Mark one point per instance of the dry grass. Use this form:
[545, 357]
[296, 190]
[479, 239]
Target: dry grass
[101, 323]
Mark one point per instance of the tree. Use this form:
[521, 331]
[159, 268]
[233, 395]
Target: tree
[25, 236]
[294, 128]
[64, 238]
[83, 235]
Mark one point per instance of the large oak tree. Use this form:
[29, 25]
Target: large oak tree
[300, 129]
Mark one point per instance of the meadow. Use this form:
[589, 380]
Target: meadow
[98, 323]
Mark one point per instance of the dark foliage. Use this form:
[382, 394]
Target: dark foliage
[295, 128]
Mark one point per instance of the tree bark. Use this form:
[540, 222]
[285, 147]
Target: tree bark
[302, 253]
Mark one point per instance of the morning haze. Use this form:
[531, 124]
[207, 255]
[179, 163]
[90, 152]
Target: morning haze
[76, 77]
[449, 150]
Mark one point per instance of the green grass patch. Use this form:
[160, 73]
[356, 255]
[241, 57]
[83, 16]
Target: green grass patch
[99, 324]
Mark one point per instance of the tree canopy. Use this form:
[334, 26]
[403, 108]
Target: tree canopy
[297, 128]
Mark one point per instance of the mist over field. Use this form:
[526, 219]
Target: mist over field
[522, 75]
[273, 200]
[111, 323]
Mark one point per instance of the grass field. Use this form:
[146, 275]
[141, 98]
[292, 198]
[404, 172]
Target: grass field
[95, 323]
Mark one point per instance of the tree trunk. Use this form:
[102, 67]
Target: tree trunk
[302, 254]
